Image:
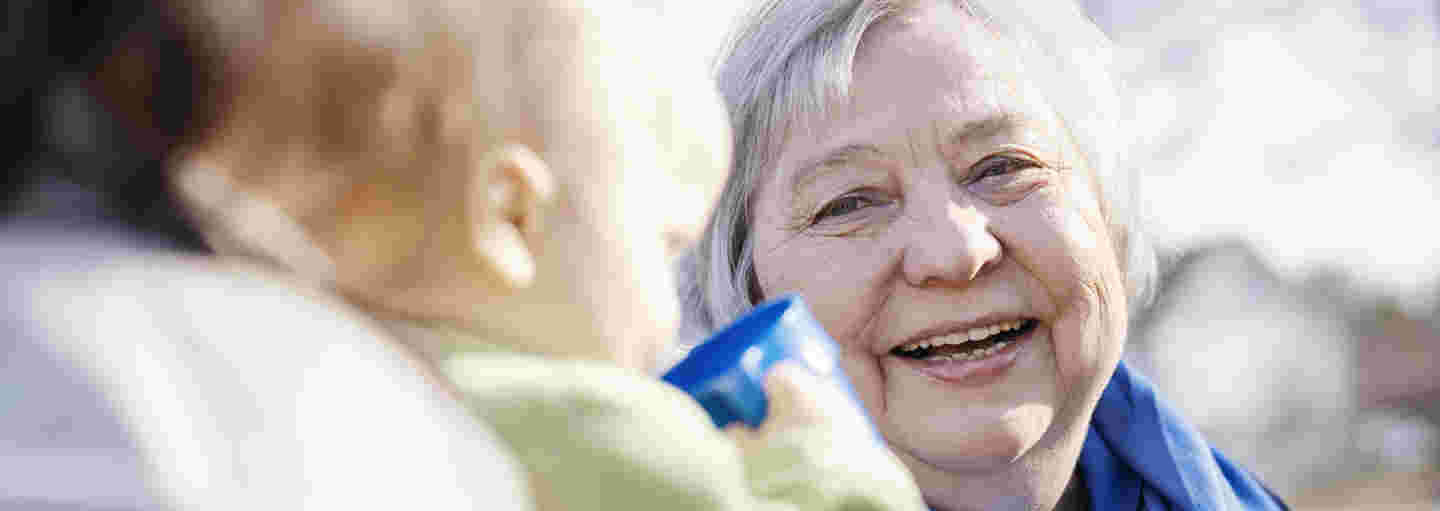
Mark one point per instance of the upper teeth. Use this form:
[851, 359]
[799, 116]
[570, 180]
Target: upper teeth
[973, 334]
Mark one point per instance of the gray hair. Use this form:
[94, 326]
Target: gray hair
[790, 58]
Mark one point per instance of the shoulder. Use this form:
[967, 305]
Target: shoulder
[577, 395]
[602, 437]
[242, 389]
[58, 425]
[608, 388]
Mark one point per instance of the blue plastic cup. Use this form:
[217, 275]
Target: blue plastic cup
[726, 373]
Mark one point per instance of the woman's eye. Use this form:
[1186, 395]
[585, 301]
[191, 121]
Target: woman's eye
[843, 206]
[1000, 165]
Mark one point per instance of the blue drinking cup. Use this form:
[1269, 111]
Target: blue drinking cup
[726, 373]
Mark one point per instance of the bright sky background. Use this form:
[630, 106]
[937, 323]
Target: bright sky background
[1311, 129]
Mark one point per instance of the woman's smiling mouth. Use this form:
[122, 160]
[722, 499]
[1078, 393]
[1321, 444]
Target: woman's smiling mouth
[971, 357]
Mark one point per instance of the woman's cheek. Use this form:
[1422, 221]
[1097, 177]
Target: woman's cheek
[1091, 330]
[1085, 224]
[867, 379]
[1091, 234]
[843, 293]
[840, 278]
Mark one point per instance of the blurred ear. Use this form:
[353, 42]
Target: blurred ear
[511, 189]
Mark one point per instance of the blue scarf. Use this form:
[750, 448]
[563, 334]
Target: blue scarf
[1141, 456]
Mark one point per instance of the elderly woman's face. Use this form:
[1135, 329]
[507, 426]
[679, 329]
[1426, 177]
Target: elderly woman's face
[947, 233]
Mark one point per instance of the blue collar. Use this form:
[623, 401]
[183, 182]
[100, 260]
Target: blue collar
[1140, 455]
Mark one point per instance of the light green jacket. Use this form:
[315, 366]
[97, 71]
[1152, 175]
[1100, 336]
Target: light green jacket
[594, 436]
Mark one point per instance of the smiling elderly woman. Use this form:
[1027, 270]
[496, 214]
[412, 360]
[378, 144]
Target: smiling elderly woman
[937, 180]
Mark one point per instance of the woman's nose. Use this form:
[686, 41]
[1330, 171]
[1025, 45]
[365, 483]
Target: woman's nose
[949, 248]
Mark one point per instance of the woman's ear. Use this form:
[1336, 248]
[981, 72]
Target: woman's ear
[511, 188]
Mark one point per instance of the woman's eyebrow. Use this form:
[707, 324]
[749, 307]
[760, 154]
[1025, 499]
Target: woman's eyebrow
[811, 169]
[999, 123]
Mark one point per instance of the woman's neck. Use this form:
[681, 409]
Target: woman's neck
[1015, 487]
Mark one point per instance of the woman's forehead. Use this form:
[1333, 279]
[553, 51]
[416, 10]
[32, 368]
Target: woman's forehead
[937, 39]
[927, 76]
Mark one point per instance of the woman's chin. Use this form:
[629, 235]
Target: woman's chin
[979, 448]
[970, 423]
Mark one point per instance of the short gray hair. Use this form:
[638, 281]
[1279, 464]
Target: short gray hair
[790, 58]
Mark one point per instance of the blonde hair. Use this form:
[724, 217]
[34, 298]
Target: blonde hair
[339, 79]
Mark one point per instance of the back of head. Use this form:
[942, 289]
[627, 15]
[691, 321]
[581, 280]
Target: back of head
[449, 161]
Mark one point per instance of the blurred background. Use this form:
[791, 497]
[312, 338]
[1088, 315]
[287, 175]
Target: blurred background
[1291, 162]
[1290, 154]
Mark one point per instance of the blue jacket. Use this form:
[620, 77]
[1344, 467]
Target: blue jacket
[1140, 455]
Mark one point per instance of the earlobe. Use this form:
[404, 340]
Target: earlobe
[505, 252]
[512, 186]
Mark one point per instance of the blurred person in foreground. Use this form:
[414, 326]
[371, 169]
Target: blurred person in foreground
[139, 372]
[487, 185]
[937, 178]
